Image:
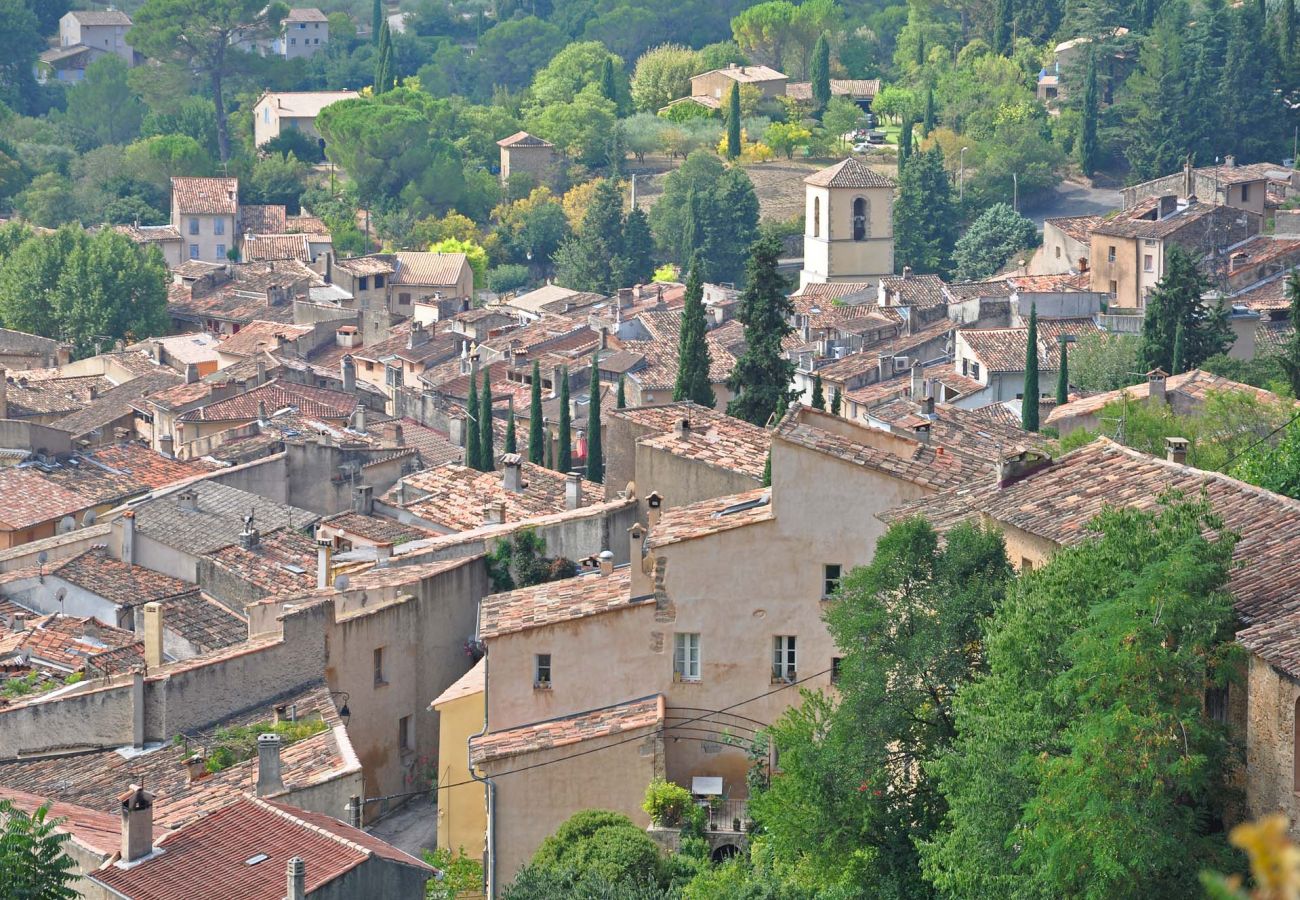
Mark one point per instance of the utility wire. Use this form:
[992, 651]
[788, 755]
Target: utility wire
[705, 715]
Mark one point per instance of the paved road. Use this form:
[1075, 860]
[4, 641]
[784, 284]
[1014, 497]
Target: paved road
[412, 828]
[1072, 198]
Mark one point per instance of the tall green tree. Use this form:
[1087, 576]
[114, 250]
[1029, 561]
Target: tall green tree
[837, 401]
[991, 240]
[608, 85]
[385, 73]
[708, 208]
[376, 20]
[1177, 301]
[1063, 376]
[1180, 349]
[638, 248]
[20, 42]
[733, 121]
[1250, 84]
[595, 259]
[536, 435]
[692, 349]
[595, 444]
[818, 394]
[487, 456]
[473, 433]
[854, 798]
[621, 401]
[1089, 143]
[905, 141]
[820, 73]
[564, 460]
[104, 104]
[1155, 102]
[202, 36]
[1085, 763]
[32, 855]
[1029, 401]
[761, 382]
[1002, 16]
[927, 121]
[924, 216]
[512, 442]
[1290, 355]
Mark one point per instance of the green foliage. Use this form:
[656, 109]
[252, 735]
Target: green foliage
[1063, 376]
[821, 73]
[104, 104]
[462, 875]
[385, 70]
[818, 394]
[733, 121]
[577, 67]
[564, 453]
[20, 42]
[597, 258]
[762, 377]
[595, 449]
[48, 201]
[853, 798]
[1176, 303]
[276, 179]
[991, 240]
[293, 141]
[536, 433]
[508, 277]
[473, 435]
[1264, 371]
[20, 685]
[666, 803]
[692, 350]
[519, 561]
[719, 223]
[1105, 362]
[32, 858]
[475, 255]
[1089, 144]
[1029, 402]
[512, 440]
[662, 75]
[837, 401]
[487, 457]
[924, 218]
[601, 843]
[1289, 358]
[580, 127]
[1085, 764]
[238, 743]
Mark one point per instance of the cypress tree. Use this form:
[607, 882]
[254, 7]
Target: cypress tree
[377, 21]
[820, 74]
[1176, 302]
[692, 349]
[536, 451]
[487, 457]
[925, 230]
[595, 452]
[1089, 149]
[608, 87]
[837, 402]
[1029, 403]
[927, 123]
[1290, 355]
[819, 395]
[550, 452]
[905, 140]
[760, 382]
[472, 433]
[1002, 27]
[1287, 35]
[621, 402]
[565, 461]
[1179, 350]
[733, 121]
[511, 446]
[767, 470]
[384, 60]
[1063, 376]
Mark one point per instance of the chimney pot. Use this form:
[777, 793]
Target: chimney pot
[195, 766]
[1176, 450]
[682, 428]
[512, 472]
[128, 537]
[606, 559]
[18, 623]
[137, 823]
[572, 491]
[153, 635]
[494, 513]
[363, 499]
[322, 564]
[269, 778]
[297, 879]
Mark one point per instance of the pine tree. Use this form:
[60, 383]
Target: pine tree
[925, 229]
[1287, 35]
[608, 87]
[621, 402]
[384, 61]
[905, 141]
[820, 74]
[1002, 27]
[511, 444]
[1063, 377]
[377, 20]
[1249, 83]
[927, 123]
[819, 394]
[761, 381]
[595, 452]
[565, 455]
[1160, 119]
[837, 402]
[536, 450]
[733, 121]
[692, 350]
[1089, 150]
[1176, 303]
[487, 457]
[473, 458]
[1029, 402]
[595, 259]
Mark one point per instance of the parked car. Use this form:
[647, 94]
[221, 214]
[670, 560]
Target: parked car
[875, 137]
[861, 148]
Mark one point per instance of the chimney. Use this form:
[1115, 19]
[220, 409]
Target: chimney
[261, 411]
[359, 418]
[354, 811]
[494, 513]
[363, 500]
[642, 581]
[625, 298]
[392, 432]
[269, 779]
[907, 273]
[1230, 161]
[191, 373]
[195, 766]
[654, 506]
[322, 564]
[297, 879]
[1156, 387]
[349, 373]
[63, 354]
[384, 552]
[572, 491]
[261, 368]
[18, 624]
[456, 430]
[153, 635]
[606, 558]
[918, 383]
[128, 537]
[137, 823]
[250, 537]
[1188, 188]
[512, 473]
[682, 428]
[557, 376]
[167, 446]
[188, 500]
[884, 368]
[1176, 450]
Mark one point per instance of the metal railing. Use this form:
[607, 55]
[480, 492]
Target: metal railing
[727, 815]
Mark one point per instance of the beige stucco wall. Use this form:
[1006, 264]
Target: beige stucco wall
[462, 810]
[830, 252]
[717, 84]
[540, 162]
[1059, 254]
[1123, 271]
[207, 240]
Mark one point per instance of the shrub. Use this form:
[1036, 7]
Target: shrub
[666, 803]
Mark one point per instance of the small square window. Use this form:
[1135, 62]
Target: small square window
[1058, 252]
[194, 251]
[542, 672]
[194, 226]
[364, 283]
[404, 299]
[379, 667]
[1110, 253]
[830, 580]
[1114, 286]
[975, 371]
[1245, 192]
[218, 226]
[1026, 564]
[379, 281]
[221, 251]
[1148, 263]
[1216, 705]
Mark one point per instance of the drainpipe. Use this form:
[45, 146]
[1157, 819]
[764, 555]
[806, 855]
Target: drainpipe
[491, 872]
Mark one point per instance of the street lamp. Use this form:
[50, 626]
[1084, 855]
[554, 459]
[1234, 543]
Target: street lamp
[961, 178]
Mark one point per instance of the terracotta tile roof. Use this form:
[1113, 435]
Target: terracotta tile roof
[96, 779]
[849, 173]
[1272, 337]
[246, 294]
[631, 716]
[960, 430]
[206, 196]
[276, 395]
[1077, 228]
[545, 604]
[218, 520]
[748, 74]
[68, 643]
[305, 14]
[307, 224]
[99, 573]
[271, 565]
[261, 334]
[256, 218]
[1138, 221]
[454, 495]
[204, 622]
[1005, 349]
[1049, 284]
[28, 498]
[374, 264]
[999, 413]
[1194, 385]
[901, 385]
[523, 139]
[266, 246]
[723, 441]
[195, 347]
[304, 105]
[993, 287]
[854, 89]
[857, 364]
[97, 831]
[914, 290]
[433, 269]
[472, 682]
[835, 290]
[697, 520]
[115, 403]
[374, 528]
[1265, 295]
[45, 393]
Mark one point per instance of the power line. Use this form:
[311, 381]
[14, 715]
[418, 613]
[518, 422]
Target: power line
[705, 715]
[1231, 459]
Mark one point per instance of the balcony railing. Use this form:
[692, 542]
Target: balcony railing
[727, 815]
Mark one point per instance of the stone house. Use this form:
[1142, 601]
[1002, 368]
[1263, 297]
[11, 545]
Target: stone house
[303, 33]
[717, 83]
[205, 211]
[526, 154]
[278, 111]
[103, 31]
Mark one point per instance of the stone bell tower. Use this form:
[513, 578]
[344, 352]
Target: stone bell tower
[848, 225]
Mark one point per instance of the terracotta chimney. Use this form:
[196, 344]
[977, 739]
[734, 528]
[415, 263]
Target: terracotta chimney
[153, 635]
[137, 823]
[269, 777]
[195, 766]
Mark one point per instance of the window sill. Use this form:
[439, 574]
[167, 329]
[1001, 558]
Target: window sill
[682, 679]
[541, 685]
[790, 679]
[380, 684]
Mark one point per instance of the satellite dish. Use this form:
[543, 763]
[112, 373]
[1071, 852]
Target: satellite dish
[42, 558]
[66, 524]
[341, 583]
[89, 518]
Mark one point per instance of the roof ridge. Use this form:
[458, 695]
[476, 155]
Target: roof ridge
[324, 832]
